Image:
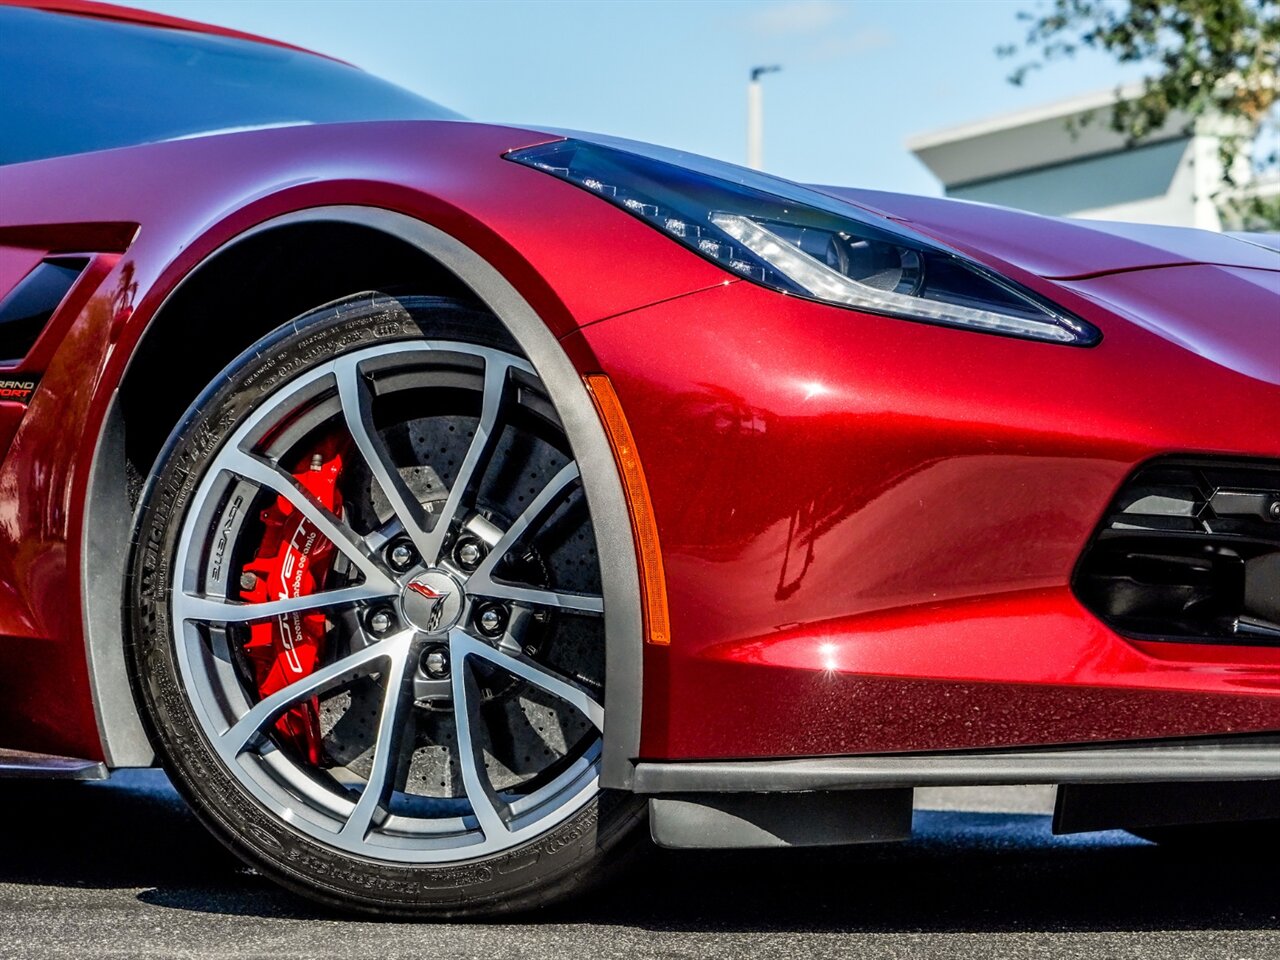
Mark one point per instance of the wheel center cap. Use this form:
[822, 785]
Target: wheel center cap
[432, 602]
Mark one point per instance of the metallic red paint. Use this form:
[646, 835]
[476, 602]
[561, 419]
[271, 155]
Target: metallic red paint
[1228, 315]
[869, 525]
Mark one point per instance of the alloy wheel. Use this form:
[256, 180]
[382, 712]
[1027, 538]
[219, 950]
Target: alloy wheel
[449, 661]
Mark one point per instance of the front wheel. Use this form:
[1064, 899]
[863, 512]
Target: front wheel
[368, 628]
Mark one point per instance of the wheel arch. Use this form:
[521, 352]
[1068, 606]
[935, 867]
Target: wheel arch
[108, 523]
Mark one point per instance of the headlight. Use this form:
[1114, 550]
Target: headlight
[801, 242]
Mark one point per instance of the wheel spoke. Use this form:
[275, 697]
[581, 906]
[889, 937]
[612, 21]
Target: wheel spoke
[193, 606]
[233, 741]
[490, 812]
[463, 645]
[357, 410]
[482, 582]
[473, 466]
[386, 749]
[577, 602]
[269, 475]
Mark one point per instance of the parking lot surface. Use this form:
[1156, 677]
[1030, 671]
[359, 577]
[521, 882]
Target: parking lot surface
[121, 869]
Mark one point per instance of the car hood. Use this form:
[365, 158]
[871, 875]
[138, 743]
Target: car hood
[1213, 294]
[1057, 248]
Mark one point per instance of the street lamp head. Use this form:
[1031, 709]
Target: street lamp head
[758, 72]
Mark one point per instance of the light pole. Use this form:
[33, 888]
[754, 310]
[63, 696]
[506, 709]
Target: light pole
[755, 118]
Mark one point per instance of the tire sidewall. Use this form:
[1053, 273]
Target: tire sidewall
[524, 876]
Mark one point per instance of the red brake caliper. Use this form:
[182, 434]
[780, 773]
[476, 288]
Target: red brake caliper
[293, 560]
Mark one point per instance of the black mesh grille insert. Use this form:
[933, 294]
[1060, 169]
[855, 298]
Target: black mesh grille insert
[1190, 550]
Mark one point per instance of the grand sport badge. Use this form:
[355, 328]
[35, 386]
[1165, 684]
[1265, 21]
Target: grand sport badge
[18, 389]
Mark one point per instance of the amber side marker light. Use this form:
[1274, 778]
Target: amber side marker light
[653, 581]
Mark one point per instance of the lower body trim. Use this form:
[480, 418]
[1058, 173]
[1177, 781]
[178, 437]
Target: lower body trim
[20, 765]
[1165, 761]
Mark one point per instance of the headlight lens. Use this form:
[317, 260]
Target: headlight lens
[801, 242]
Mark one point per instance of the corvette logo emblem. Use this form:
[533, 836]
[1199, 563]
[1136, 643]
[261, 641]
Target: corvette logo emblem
[436, 600]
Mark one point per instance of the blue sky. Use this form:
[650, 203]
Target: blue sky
[858, 77]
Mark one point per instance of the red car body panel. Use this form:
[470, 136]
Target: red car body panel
[1199, 308]
[869, 525]
[837, 496]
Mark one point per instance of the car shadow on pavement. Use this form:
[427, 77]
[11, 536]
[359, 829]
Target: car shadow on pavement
[132, 831]
[962, 871]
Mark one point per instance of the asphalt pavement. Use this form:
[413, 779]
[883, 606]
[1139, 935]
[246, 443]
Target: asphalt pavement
[121, 869]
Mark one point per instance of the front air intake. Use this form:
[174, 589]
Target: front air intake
[1189, 550]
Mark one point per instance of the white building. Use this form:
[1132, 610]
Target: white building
[1033, 160]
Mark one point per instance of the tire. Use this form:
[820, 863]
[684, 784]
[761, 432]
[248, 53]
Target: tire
[331, 784]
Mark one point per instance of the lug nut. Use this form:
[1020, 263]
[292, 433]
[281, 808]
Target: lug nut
[435, 663]
[381, 621]
[492, 620]
[401, 557]
[469, 553]
[1275, 510]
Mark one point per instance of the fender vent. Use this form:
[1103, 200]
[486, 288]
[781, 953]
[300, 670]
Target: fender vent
[1189, 550]
[28, 307]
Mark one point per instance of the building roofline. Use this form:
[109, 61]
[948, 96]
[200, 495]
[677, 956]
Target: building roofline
[1096, 100]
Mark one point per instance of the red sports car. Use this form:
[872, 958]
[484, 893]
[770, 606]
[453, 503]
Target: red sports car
[442, 503]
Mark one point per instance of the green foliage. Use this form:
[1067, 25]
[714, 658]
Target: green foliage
[1204, 58]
